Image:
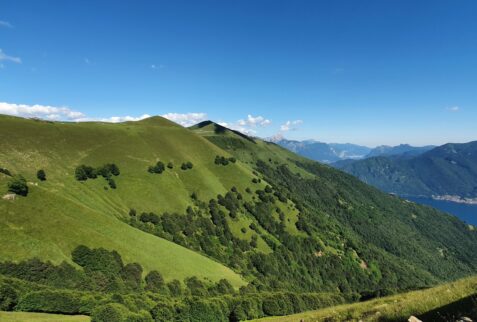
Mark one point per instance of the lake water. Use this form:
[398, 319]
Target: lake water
[467, 213]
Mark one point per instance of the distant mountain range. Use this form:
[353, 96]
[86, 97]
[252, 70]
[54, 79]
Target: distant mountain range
[333, 152]
[447, 170]
[405, 150]
[324, 152]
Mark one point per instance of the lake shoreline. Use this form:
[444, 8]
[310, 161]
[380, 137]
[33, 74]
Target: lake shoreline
[457, 199]
[466, 212]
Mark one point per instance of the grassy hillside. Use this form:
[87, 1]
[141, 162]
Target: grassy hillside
[356, 230]
[450, 169]
[293, 234]
[443, 303]
[61, 212]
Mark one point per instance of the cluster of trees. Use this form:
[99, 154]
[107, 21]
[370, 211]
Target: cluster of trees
[204, 228]
[18, 185]
[297, 262]
[107, 171]
[159, 167]
[19, 295]
[221, 160]
[104, 271]
[187, 165]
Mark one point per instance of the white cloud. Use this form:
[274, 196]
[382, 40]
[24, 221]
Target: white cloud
[254, 121]
[40, 111]
[5, 57]
[58, 113]
[453, 108]
[5, 24]
[186, 119]
[249, 125]
[237, 127]
[290, 125]
[66, 114]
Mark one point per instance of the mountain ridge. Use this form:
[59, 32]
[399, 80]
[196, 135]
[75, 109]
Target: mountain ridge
[450, 169]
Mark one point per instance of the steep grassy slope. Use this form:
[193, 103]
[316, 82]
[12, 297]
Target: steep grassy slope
[304, 235]
[248, 149]
[322, 209]
[360, 235]
[443, 303]
[61, 213]
[450, 169]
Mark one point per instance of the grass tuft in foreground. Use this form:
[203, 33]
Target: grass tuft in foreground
[446, 302]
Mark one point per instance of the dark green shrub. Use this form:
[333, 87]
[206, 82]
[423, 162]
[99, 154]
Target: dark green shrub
[132, 276]
[187, 165]
[111, 182]
[8, 298]
[84, 172]
[149, 217]
[175, 288]
[5, 172]
[224, 287]
[107, 262]
[41, 175]
[170, 165]
[158, 168]
[34, 270]
[18, 185]
[154, 281]
[196, 286]
[141, 316]
[113, 169]
[163, 312]
[57, 301]
[207, 310]
[110, 312]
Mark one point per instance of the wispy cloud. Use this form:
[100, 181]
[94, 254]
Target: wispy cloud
[154, 66]
[5, 57]
[186, 119]
[453, 109]
[290, 125]
[5, 24]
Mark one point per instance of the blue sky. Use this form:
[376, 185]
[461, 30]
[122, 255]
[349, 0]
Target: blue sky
[366, 72]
